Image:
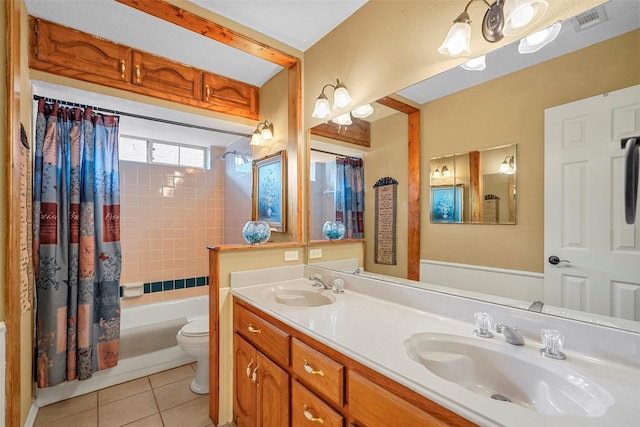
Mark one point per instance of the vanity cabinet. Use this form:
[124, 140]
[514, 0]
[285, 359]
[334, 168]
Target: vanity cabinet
[70, 53]
[322, 385]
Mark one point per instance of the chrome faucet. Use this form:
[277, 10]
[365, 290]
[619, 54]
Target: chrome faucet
[319, 283]
[510, 334]
[536, 306]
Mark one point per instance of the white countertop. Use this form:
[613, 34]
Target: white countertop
[372, 331]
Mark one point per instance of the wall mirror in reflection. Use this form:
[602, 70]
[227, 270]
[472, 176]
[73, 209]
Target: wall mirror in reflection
[478, 187]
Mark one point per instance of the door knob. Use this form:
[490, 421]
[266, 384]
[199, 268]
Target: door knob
[554, 260]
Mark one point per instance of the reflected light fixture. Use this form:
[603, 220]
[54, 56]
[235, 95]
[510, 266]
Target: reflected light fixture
[341, 99]
[540, 39]
[508, 166]
[436, 173]
[343, 119]
[476, 64]
[445, 171]
[259, 136]
[362, 112]
[504, 17]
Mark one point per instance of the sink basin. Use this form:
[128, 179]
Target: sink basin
[299, 296]
[519, 375]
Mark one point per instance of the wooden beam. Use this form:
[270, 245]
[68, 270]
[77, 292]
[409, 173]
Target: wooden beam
[294, 133]
[474, 186]
[358, 133]
[187, 20]
[397, 105]
[13, 392]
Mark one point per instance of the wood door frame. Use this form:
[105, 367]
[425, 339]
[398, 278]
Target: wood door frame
[206, 28]
[13, 393]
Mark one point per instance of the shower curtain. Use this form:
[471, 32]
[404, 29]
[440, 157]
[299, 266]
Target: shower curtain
[350, 196]
[77, 254]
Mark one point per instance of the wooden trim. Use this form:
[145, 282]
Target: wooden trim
[13, 392]
[358, 133]
[175, 15]
[214, 336]
[413, 246]
[474, 186]
[274, 245]
[397, 105]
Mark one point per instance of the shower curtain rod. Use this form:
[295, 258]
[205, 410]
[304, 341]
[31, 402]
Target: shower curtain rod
[329, 152]
[138, 116]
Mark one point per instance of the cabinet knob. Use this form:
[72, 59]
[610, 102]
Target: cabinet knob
[312, 371]
[253, 330]
[308, 415]
[138, 73]
[123, 67]
[206, 92]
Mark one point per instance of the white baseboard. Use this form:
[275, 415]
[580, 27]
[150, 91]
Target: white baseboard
[513, 284]
[33, 412]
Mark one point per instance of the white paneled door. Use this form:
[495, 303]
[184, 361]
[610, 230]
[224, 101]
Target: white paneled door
[598, 252]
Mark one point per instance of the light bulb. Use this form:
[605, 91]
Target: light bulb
[341, 97]
[267, 131]
[256, 138]
[363, 111]
[343, 119]
[522, 16]
[322, 108]
[457, 42]
[475, 64]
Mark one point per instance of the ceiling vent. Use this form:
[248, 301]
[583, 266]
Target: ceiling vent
[589, 18]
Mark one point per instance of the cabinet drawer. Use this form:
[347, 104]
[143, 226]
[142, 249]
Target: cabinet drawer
[374, 406]
[318, 372]
[167, 77]
[309, 410]
[266, 337]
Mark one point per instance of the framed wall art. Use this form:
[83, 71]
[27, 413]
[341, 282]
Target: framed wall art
[446, 203]
[269, 196]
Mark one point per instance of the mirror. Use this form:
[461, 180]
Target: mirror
[478, 187]
[462, 112]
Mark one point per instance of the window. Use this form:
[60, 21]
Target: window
[161, 152]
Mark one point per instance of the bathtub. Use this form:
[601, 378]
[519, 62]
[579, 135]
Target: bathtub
[147, 346]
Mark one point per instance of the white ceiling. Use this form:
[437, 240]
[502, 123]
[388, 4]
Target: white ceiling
[298, 23]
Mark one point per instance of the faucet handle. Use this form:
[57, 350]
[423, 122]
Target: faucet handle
[483, 325]
[314, 280]
[553, 341]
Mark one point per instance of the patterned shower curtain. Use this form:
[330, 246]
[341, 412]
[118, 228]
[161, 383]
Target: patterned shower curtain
[350, 196]
[77, 254]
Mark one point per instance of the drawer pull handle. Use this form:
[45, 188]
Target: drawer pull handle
[308, 415]
[254, 375]
[249, 368]
[254, 330]
[206, 91]
[138, 73]
[122, 67]
[310, 370]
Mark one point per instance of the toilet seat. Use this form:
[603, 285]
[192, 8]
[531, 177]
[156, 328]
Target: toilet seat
[196, 328]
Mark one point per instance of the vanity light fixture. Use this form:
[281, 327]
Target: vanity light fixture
[341, 99]
[436, 173]
[343, 119]
[504, 17]
[540, 39]
[445, 171]
[362, 112]
[508, 166]
[259, 136]
[476, 64]
[441, 172]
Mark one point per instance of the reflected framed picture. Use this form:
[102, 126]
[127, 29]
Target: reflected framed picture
[446, 203]
[269, 198]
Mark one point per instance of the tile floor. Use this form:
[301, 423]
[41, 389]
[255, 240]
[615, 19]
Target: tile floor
[159, 400]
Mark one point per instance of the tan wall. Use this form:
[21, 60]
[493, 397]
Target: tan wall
[464, 121]
[387, 157]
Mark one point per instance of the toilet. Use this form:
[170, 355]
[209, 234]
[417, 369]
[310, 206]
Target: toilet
[193, 338]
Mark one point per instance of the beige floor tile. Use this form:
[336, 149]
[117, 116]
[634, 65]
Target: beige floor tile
[66, 408]
[192, 414]
[125, 411]
[172, 375]
[153, 421]
[83, 419]
[121, 391]
[174, 394]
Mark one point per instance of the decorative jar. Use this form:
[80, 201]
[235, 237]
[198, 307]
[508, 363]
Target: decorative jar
[333, 230]
[256, 232]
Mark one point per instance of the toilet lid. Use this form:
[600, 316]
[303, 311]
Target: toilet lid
[196, 328]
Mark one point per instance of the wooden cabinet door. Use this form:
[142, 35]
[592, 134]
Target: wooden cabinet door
[244, 388]
[167, 77]
[68, 52]
[273, 394]
[231, 95]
